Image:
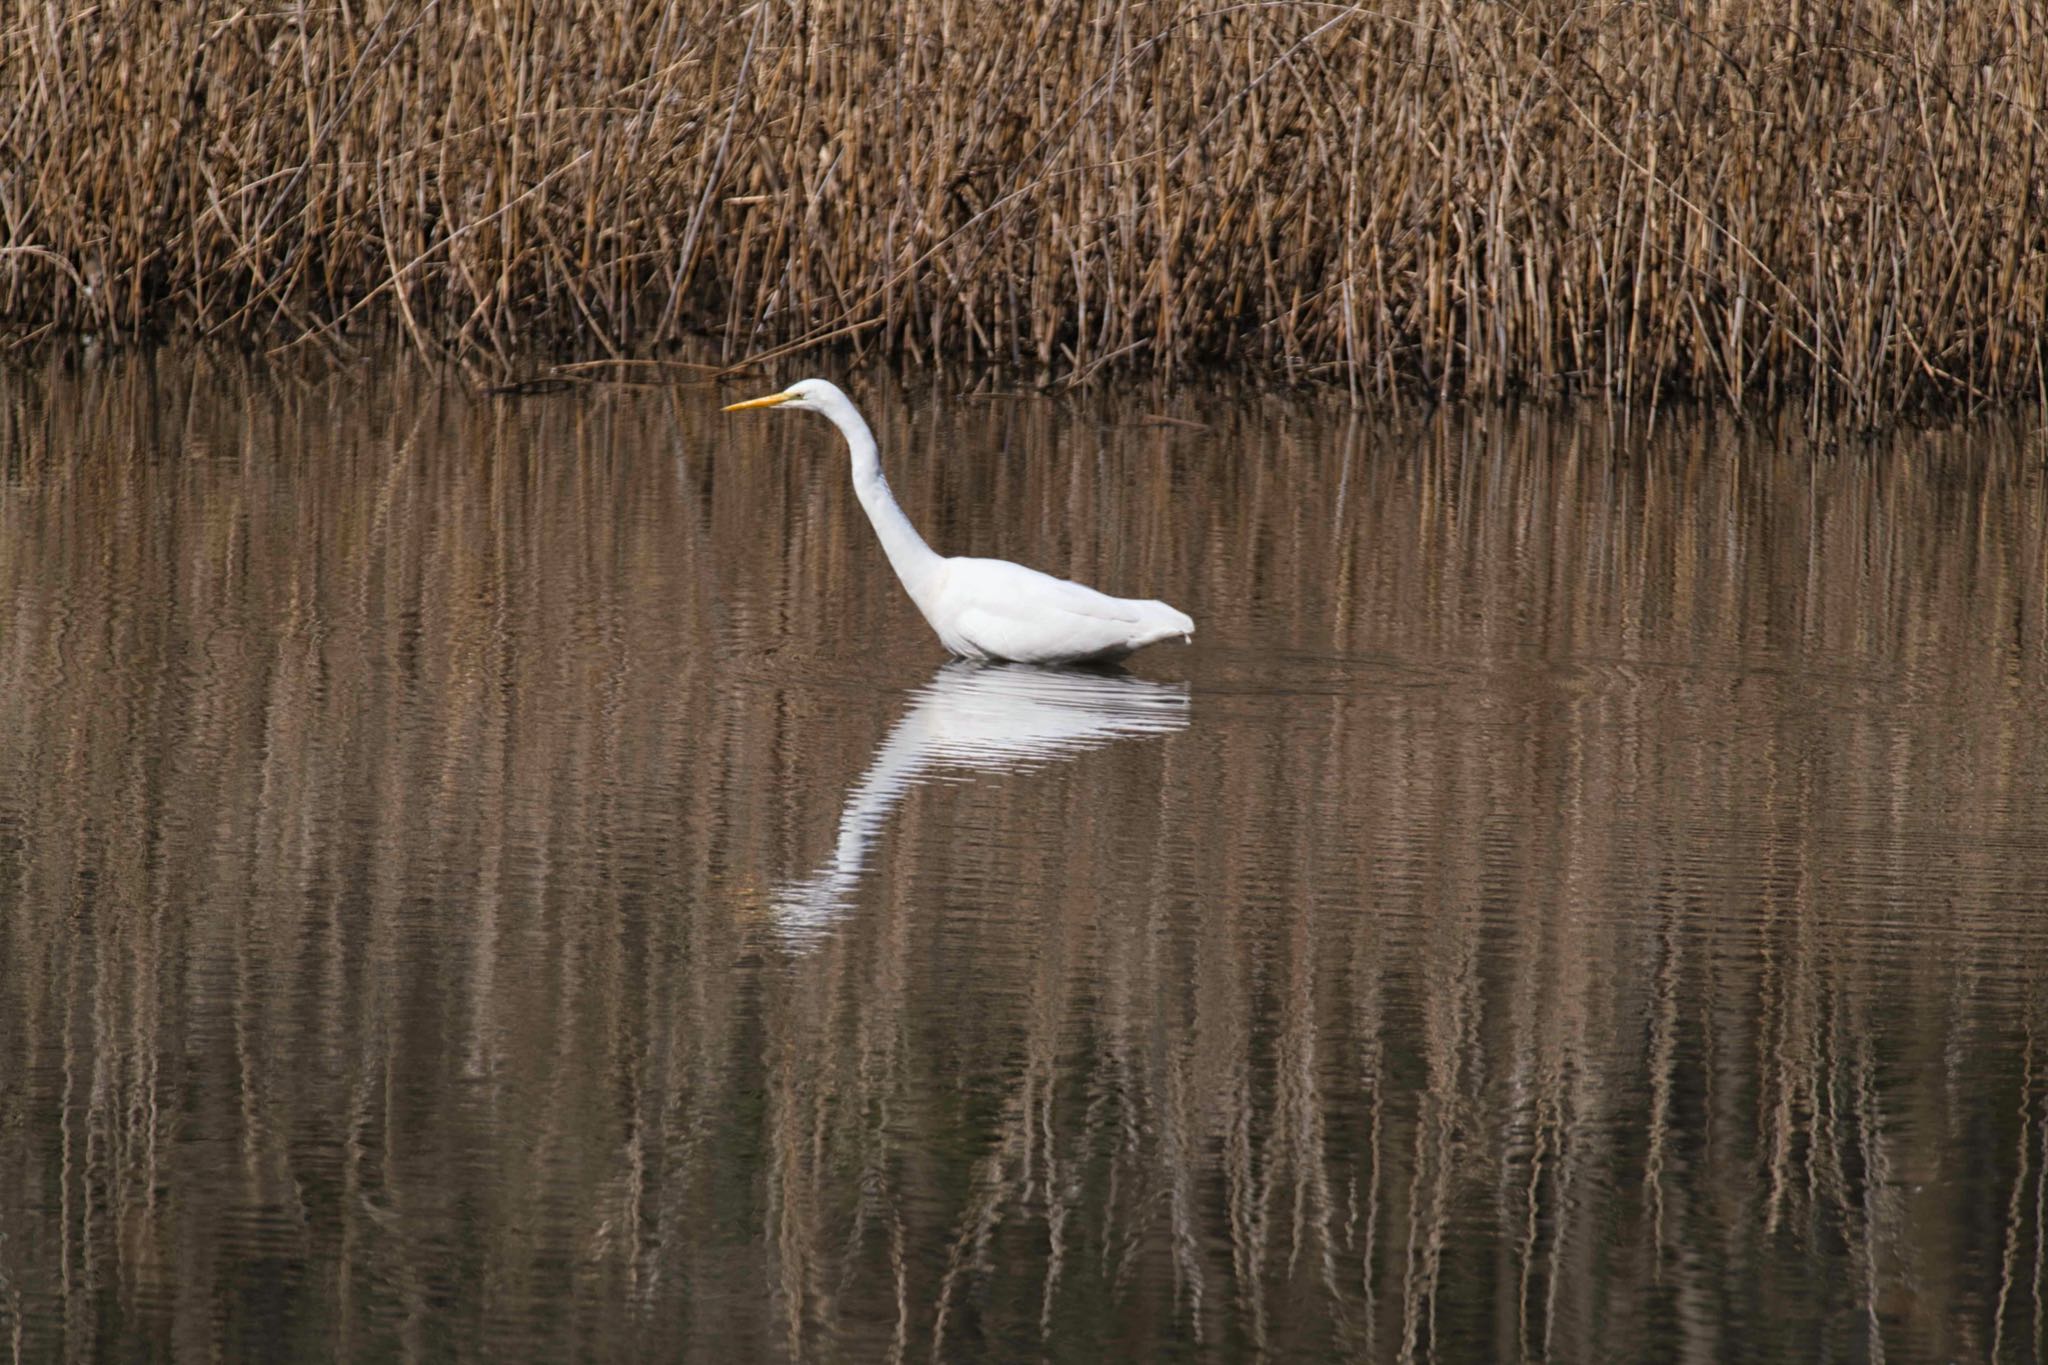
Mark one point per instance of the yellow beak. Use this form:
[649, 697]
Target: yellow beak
[770, 401]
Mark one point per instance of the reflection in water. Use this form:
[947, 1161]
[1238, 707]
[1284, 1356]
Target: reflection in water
[1595, 910]
[976, 718]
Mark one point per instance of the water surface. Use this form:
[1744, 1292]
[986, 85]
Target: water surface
[490, 879]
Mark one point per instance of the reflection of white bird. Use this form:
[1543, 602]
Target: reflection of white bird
[976, 718]
[984, 608]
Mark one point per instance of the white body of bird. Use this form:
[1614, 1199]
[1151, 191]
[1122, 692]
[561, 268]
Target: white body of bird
[984, 608]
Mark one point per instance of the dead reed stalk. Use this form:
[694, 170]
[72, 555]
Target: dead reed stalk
[1719, 197]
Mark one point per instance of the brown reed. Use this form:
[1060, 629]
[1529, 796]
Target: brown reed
[1720, 197]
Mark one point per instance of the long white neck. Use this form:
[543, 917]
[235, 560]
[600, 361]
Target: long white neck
[916, 564]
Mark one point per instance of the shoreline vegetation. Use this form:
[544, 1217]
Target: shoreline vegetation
[1845, 204]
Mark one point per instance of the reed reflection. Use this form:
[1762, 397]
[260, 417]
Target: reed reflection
[1598, 915]
[972, 719]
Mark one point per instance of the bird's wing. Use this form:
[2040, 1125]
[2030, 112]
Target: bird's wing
[1010, 612]
[1012, 589]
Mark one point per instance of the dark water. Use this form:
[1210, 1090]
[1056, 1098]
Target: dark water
[512, 880]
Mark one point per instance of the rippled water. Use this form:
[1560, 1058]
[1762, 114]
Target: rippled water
[514, 879]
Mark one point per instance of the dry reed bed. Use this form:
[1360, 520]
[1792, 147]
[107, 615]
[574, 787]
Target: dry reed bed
[1730, 198]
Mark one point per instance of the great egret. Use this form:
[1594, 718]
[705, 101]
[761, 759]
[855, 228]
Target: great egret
[984, 608]
[972, 719]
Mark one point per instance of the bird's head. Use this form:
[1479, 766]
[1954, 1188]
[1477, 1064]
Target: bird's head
[809, 395]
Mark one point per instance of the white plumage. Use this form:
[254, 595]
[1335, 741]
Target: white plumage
[985, 608]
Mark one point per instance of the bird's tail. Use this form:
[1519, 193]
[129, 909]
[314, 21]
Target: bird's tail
[1163, 623]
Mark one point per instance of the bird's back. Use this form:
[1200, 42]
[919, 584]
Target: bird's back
[993, 609]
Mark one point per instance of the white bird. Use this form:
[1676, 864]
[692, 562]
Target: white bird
[984, 608]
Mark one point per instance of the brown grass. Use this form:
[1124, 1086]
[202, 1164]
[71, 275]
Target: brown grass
[1728, 198]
